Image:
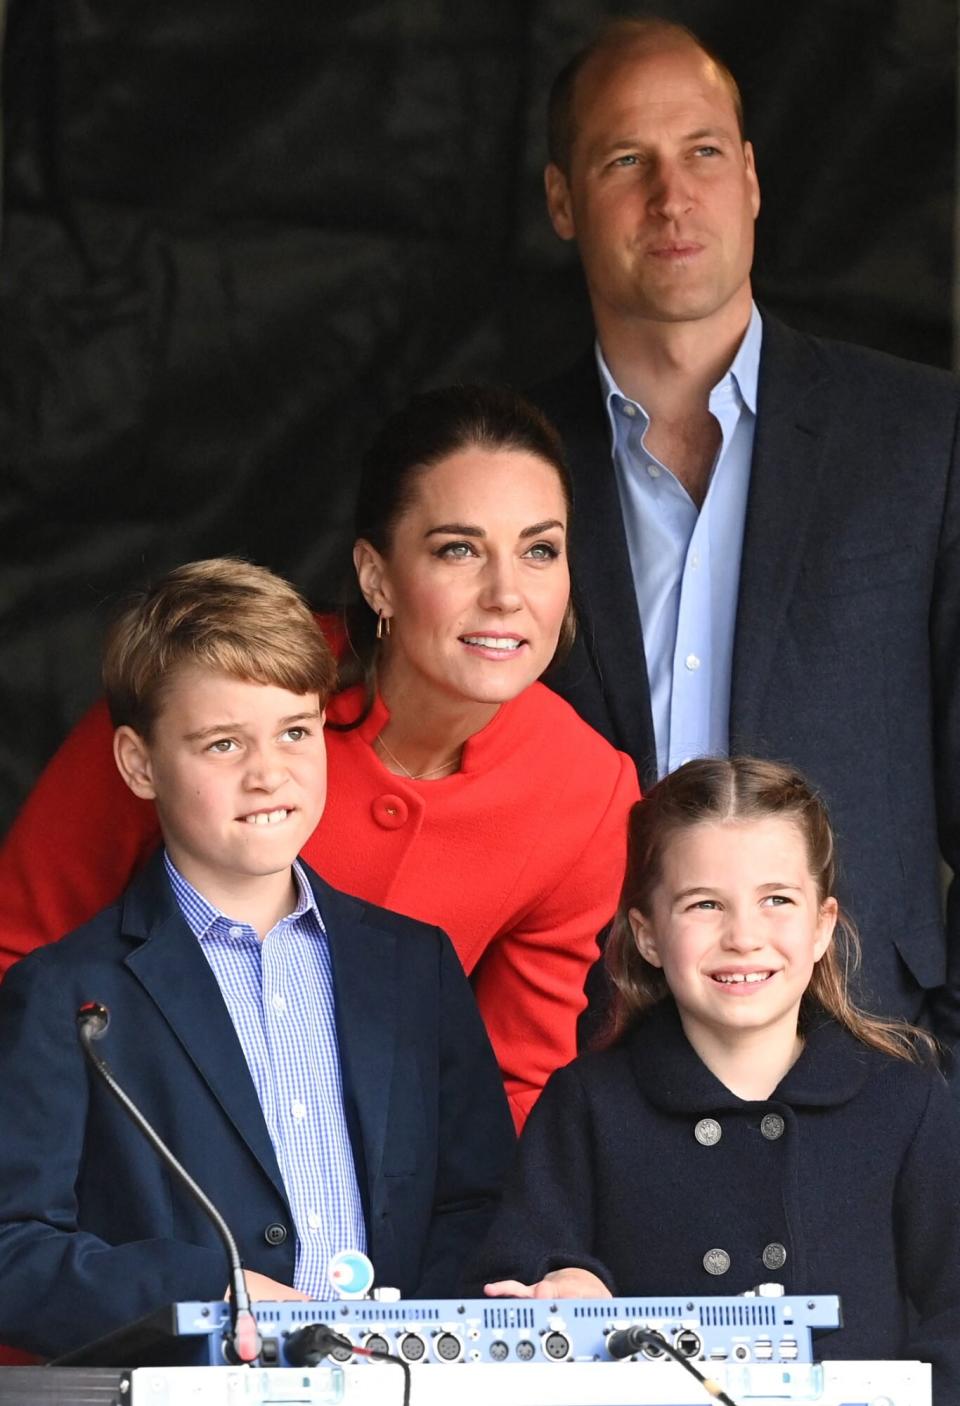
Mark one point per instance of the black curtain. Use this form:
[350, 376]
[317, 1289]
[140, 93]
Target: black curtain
[235, 235]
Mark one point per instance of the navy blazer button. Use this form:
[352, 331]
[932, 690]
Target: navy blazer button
[708, 1132]
[772, 1126]
[774, 1256]
[275, 1233]
[716, 1261]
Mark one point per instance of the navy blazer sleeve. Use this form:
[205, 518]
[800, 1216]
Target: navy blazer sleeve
[62, 1286]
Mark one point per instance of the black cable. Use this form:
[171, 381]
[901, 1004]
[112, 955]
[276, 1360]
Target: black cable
[309, 1345]
[377, 1355]
[243, 1341]
[633, 1339]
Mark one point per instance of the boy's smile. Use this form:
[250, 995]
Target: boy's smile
[238, 773]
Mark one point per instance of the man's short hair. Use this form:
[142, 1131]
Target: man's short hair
[222, 614]
[620, 33]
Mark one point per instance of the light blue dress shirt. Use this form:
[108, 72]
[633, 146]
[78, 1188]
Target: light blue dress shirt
[280, 996]
[686, 564]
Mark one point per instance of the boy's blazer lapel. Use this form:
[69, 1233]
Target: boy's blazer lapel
[167, 962]
[171, 968]
[367, 983]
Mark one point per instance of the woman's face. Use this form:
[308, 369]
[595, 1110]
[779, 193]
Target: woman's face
[476, 580]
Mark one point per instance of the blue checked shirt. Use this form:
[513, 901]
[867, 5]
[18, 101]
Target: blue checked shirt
[280, 997]
[686, 564]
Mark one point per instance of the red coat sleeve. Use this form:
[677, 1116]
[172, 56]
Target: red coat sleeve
[75, 845]
[529, 983]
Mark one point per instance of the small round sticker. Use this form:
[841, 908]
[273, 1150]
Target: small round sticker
[351, 1274]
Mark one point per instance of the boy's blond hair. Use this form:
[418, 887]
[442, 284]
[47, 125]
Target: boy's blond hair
[223, 614]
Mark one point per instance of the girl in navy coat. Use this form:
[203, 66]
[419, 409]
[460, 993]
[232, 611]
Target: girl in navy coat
[744, 1122]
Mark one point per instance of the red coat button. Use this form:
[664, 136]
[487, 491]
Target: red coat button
[390, 812]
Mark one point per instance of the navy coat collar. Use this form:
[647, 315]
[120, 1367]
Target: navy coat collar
[832, 1067]
[166, 959]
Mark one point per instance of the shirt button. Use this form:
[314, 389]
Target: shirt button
[299, 1110]
[774, 1255]
[275, 1233]
[390, 812]
[236, 932]
[695, 560]
[654, 470]
[692, 661]
[279, 1001]
[708, 1132]
[315, 1220]
[628, 409]
[716, 1261]
[772, 1126]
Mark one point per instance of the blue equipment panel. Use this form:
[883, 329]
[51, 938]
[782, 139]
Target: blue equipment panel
[712, 1329]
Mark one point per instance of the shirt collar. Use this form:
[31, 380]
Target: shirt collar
[202, 916]
[743, 373]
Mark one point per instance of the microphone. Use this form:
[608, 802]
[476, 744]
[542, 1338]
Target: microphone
[624, 1342]
[242, 1343]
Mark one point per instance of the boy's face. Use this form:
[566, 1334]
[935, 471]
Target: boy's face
[238, 773]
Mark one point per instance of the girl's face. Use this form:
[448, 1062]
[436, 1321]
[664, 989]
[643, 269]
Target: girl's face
[476, 581]
[736, 925]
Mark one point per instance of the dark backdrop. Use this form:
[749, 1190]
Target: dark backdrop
[236, 234]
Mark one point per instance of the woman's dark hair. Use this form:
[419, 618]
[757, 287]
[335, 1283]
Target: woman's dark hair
[431, 427]
[715, 789]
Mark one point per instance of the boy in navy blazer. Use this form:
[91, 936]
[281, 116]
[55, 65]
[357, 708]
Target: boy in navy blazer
[317, 1063]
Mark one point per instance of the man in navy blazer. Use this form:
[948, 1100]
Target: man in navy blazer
[818, 479]
[95, 1230]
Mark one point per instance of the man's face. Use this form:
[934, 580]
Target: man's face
[661, 195]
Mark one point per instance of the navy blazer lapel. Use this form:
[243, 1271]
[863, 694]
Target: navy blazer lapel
[364, 962]
[603, 587]
[171, 968]
[784, 479]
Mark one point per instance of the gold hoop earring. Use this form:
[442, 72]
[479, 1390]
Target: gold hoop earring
[383, 625]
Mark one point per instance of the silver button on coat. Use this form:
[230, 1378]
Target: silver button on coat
[772, 1126]
[774, 1255]
[708, 1132]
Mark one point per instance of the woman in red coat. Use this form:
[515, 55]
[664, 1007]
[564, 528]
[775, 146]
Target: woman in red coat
[461, 791]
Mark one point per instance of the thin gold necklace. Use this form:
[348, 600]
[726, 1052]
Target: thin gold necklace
[420, 775]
